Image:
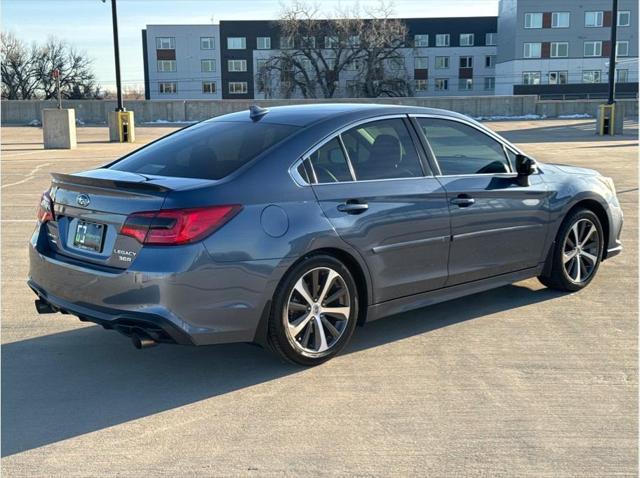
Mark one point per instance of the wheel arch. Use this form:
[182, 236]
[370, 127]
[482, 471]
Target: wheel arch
[599, 210]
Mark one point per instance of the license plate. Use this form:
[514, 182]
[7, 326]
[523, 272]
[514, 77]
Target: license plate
[89, 236]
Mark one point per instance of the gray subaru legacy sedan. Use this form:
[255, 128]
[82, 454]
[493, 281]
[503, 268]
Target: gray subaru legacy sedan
[288, 227]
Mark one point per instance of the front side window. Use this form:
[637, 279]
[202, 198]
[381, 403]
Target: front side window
[593, 48]
[236, 65]
[624, 18]
[558, 77]
[329, 163]
[533, 20]
[560, 20]
[207, 43]
[462, 149]
[263, 43]
[167, 87]
[421, 40]
[591, 76]
[238, 87]
[166, 65]
[382, 150]
[531, 78]
[622, 48]
[207, 65]
[559, 49]
[421, 62]
[442, 62]
[442, 39]
[532, 50]
[442, 84]
[208, 87]
[593, 19]
[490, 39]
[207, 150]
[236, 43]
[466, 62]
[166, 43]
[466, 39]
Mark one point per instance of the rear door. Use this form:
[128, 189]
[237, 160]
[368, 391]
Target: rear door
[381, 198]
[497, 225]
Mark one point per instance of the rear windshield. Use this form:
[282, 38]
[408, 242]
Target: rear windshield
[209, 150]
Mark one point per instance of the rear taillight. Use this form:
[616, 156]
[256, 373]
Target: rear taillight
[45, 208]
[177, 226]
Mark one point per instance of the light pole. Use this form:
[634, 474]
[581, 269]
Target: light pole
[612, 53]
[116, 50]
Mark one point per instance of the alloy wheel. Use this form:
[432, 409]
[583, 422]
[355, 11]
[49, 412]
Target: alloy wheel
[317, 311]
[581, 250]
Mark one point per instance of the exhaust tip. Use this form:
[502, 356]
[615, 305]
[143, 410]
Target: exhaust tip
[141, 341]
[44, 307]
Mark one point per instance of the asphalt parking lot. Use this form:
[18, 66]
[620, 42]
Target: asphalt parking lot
[518, 381]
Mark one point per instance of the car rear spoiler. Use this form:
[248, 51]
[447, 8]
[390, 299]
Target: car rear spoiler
[142, 186]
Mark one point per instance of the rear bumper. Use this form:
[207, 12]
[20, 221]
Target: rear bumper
[175, 295]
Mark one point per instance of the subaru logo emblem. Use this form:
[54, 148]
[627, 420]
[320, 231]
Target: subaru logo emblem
[83, 200]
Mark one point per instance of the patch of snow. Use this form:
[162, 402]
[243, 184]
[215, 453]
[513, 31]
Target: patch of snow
[575, 116]
[164, 121]
[501, 118]
[34, 122]
[79, 122]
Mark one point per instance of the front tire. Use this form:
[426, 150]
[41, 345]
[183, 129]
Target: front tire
[577, 252]
[315, 311]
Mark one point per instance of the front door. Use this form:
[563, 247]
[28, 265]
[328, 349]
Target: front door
[371, 185]
[497, 226]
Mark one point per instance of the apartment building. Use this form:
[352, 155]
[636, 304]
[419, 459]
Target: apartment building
[182, 61]
[562, 47]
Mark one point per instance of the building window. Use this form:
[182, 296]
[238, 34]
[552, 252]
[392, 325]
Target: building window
[421, 62]
[558, 77]
[421, 40]
[236, 43]
[331, 42]
[560, 19]
[442, 39]
[593, 19]
[622, 76]
[622, 48]
[531, 78]
[353, 65]
[466, 62]
[465, 84]
[532, 50]
[167, 87]
[264, 43]
[559, 49]
[309, 42]
[466, 39]
[421, 85]
[396, 63]
[591, 76]
[593, 48]
[207, 43]
[354, 41]
[166, 65]
[490, 39]
[442, 62]
[238, 87]
[442, 84]
[166, 43]
[209, 87]
[261, 63]
[207, 65]
[489, 83]
[533, 20]
[489, 61]
[236, 65]
[624, 18]
[286, 43]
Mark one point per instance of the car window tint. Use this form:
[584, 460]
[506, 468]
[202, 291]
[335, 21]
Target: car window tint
[462, 149]
[382, 150]
[209, 150]
[330, 164]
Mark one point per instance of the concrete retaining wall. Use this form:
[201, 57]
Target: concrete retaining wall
[95, 111]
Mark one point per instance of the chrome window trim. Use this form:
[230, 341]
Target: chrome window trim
[337, 134]
[482, 129]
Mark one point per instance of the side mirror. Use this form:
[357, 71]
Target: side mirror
[525, 167]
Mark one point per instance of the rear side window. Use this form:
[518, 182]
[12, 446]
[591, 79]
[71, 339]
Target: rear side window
[330, 164]
[461, 149]
[210, 150]
[382, 150]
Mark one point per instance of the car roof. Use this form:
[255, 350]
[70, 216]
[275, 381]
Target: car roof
[307, 114]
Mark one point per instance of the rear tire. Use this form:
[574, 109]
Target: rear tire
[315, 311]
[577, 252]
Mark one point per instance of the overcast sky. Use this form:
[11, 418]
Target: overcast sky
[86, 24]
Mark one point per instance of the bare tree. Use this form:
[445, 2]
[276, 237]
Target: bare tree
[17, 67]
[321, 52]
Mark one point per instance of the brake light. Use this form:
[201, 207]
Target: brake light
[177, 226]
[45, 208]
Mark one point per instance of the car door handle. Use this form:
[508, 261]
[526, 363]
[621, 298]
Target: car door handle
[463, 200]
[352, 207]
